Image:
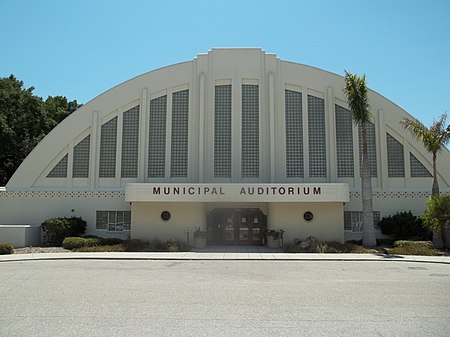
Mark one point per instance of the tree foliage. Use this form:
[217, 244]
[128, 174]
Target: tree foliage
[433, 139]
[403, 226]
[355, 91]
[437, 212]
[24, 120]
[57, 229]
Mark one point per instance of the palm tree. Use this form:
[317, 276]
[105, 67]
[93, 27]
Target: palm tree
[433, 138]
[355, 91]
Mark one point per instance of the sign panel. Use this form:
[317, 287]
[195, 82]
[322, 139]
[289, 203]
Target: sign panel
[237, 193]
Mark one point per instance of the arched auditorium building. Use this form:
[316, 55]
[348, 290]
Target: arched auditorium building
[234, 141]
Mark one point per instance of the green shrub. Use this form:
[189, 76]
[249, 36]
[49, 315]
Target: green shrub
[6, 248]
[111, 241]
[107, 248]
[403, 225]
[404, 247]
[72, 243]
[406, 243]
[77, 226]
[58, 229]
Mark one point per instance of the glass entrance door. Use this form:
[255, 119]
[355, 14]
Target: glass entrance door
[236, 226]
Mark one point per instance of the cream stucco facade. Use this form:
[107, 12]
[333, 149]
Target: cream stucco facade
[232, 118]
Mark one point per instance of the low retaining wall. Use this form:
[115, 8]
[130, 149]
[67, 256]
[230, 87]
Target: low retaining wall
[21, 235]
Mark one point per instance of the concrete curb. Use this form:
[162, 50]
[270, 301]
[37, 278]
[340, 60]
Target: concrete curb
[193, 256]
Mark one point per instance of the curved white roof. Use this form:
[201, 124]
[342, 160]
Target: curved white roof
[235, 67]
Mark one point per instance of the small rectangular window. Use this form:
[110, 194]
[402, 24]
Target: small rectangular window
[102, 220]
[353, 221]
[113, 221]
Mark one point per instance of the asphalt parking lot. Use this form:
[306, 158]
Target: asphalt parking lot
[223, 298]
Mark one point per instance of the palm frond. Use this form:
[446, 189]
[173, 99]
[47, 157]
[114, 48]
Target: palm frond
[355, 90]
[433, 138]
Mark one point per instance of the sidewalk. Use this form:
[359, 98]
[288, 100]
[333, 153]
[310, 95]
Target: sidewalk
[224, 255]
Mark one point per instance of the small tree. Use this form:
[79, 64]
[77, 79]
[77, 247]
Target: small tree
[437, 214]
[57, 229]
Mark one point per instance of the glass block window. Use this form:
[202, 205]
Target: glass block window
[157, 137]
[179, 151]
[317, 138]
[344, 143]
[81, 152]
[113, 221]
[371, 147]
[60, 169]
[294, 134]
[418, 170]
[222, 131]
[108, 142]
[250, 131]
[396, 158]
[353, 220]
[130, 143]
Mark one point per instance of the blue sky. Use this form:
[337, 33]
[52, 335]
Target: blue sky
[81, 48]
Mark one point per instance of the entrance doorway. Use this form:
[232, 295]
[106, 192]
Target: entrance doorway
[236, 226]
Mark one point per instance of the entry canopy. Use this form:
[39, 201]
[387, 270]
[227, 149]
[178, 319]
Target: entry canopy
[237, 193]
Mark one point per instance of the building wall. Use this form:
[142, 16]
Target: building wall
[148, 225]
[20, 235]
[66, 176]
[327, 224]
[33, 208]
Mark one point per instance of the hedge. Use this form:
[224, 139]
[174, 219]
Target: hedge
[77, 242]
[407, 243]
[403, 247]
[6, 248]
[89, 241]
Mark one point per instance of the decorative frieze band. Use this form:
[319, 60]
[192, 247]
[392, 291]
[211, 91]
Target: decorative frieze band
[393, 195]
[61, 194]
